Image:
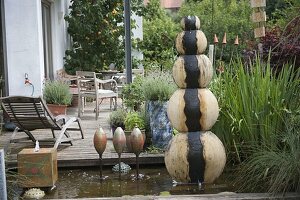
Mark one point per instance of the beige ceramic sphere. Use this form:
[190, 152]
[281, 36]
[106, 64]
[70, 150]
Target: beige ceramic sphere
[193, 110]
[191, 42]
[192, 71]
[195, 157]
[190, 23]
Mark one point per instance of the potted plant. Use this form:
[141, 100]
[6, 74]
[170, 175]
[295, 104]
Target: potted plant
[132, 93]
[117, 119]
[57, 96]
[133, 119]
[158, 87]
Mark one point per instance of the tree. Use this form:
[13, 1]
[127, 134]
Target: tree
[97, 32]
[218, 17]
[159, 33]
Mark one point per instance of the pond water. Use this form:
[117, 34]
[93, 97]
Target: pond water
[85, 183]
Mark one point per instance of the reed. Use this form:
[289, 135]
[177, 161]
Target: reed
[274, 170]
[254, 104]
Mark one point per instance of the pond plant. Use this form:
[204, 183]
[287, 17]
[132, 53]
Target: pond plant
[274, 170]
[255, 104]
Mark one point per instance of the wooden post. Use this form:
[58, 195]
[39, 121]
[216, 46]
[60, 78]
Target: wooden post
[211, 53]
[259, 17]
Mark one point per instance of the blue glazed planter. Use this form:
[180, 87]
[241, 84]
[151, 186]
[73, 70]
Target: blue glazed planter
[161, 130]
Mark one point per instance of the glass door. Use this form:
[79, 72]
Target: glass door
[47, 39]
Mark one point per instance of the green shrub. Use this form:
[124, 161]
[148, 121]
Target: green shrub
[218, 17]
[97, 34]
[117, 118]
[158, 86]
[134, 119]
[253, 105]
[274, 170]
[57, 92]
[133, 95]
[159, 33]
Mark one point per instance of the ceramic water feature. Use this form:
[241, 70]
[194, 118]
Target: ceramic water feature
[137, 144]
[195, 155]
[119, 141]
[100, 141]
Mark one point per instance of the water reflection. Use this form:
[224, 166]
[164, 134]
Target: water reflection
[155, 181]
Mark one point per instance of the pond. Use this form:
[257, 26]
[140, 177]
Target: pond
[85, 183]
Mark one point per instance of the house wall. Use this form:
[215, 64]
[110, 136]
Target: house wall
[138, 33]
[61, 39]
[24, 45]
[24, 42]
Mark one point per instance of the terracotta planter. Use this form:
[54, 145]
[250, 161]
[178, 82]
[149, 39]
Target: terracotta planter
[74, 102]
[57, 109]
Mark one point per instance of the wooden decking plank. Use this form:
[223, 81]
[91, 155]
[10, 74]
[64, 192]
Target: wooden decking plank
[82, 153]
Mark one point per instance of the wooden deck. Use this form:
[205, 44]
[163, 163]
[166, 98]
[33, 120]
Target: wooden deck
[82, 153]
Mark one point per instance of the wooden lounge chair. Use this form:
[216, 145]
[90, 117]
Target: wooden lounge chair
[31, 113]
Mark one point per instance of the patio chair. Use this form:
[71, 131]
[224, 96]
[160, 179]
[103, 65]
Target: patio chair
[91, 86]
[31, 113]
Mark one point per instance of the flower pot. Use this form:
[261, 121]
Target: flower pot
[161, 129]
[113, 128]
[74, 102]
[57, 109]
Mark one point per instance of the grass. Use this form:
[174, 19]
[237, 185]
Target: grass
[254, 104]
[274, 170]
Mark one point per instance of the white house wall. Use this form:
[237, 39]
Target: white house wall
[24, 45]
[59, 33]
[138, 33]
[24, 40]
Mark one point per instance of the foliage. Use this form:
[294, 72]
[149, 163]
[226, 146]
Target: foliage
[117, 117]
[253, 105]
[57, 92]
[282, 46]
[273, 6]
[97, 34]
[133, 95]
[153, 10]
[13, 181]
[281, 12]
[154, 150]
[159, 32]
[274, 170]
[134, 119]
[231, 17]
[158, 86]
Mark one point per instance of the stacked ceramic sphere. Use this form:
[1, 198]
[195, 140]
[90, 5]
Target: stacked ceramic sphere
[195, 155]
